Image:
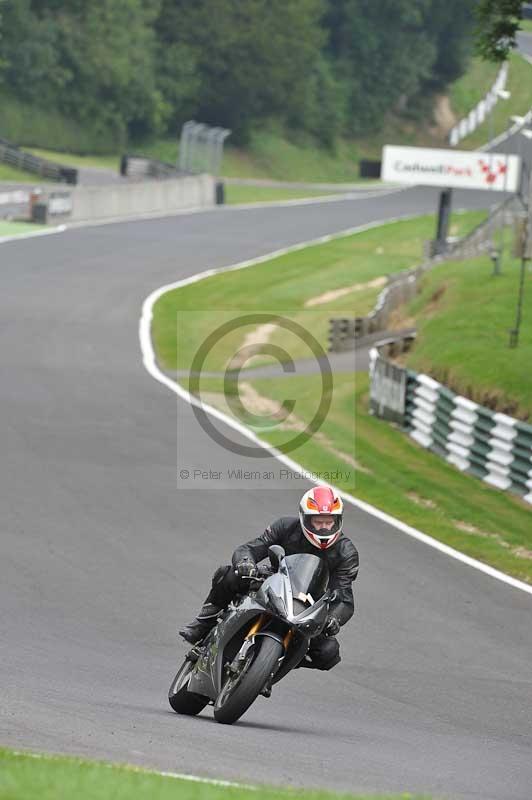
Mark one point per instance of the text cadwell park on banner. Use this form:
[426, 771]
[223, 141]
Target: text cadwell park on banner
[460, 169]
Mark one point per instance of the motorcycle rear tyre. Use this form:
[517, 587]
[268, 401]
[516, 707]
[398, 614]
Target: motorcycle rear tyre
[181, 700]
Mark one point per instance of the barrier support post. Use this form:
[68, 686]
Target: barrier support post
[444, 216]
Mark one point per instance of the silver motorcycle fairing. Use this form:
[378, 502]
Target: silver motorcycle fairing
[207, 676]
[279, 586]
[275, 598]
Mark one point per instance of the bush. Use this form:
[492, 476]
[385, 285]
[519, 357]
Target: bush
[29, 125]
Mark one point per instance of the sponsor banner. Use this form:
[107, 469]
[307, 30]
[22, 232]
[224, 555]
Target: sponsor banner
[59, 204]
[14, 198]
[388, 391]
[460, 169]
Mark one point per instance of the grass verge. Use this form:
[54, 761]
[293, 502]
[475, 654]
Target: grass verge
[464, 314]
[288, 284]
[261, 194]
[520, 101]
[469, 90]
[68, 159]
[14, 175]
[51, 777]
[393, 473]
[381, 464]
[17, 228]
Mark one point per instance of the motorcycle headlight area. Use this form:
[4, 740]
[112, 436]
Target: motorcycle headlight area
[277, 604]
[309, 626]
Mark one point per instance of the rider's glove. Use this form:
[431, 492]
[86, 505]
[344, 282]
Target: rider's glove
[246, 568]
[332, 626]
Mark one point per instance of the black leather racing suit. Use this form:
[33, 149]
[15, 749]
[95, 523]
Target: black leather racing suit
[341, 558]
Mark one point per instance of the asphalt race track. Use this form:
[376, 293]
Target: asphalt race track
[102, 559]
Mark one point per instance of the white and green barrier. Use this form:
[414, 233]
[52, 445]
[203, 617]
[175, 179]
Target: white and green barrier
[490, 445]
[479, 113]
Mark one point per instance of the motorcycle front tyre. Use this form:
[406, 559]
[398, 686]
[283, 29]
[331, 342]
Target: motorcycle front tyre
[253, 681]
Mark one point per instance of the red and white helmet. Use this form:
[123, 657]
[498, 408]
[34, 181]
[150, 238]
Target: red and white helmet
[320, 502]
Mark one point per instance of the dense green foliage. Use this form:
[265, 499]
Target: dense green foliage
[130, 69]
[498, 23]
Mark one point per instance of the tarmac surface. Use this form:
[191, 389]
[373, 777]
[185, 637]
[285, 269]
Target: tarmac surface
[102, 559]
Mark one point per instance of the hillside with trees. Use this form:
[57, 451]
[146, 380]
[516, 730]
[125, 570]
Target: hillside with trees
[131, 70]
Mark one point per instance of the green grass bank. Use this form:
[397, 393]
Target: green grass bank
[464, 314]
[381, 465]
[18, 228]
[519, 84]
[353, 268]
[53, 778]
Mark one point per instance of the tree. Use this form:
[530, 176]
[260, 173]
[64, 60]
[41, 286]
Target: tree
[328, 67]
[252, 59]
[449, 26]
[382, 55]
[92, 61]
[498, 23]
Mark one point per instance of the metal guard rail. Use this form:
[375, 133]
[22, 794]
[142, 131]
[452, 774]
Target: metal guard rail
[38, 166]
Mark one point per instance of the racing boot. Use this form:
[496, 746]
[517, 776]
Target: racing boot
[198, 629]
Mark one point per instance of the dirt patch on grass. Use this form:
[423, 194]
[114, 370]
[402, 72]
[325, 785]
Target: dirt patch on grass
[258, 404]
[522, 552]
[334, 294]
[434, 302]
[425, 502]
[444, 116]
[466, 527]
[252, 343]
[398, 320]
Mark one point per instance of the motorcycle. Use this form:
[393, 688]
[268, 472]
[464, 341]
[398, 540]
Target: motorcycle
[258, 639]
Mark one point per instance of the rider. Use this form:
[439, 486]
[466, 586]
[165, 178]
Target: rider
[318, 530]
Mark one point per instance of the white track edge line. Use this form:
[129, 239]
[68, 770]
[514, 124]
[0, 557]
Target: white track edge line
[16, 237]
[150, 363]
[183, 776]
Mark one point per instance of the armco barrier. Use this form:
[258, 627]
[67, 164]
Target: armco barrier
[143, 168]
[12, 155]
[491, 446]
[130, 200]
[401, 287]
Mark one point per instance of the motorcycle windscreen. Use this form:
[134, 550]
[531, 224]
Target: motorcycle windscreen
[309, 575]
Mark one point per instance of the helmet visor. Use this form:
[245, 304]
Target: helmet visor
[324, 532]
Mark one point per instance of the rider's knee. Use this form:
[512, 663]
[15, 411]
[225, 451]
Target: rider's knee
[220, 576]
[328, 654]
[224, 584]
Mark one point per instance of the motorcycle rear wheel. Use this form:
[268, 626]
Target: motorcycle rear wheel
[181, 700]
[230, 706]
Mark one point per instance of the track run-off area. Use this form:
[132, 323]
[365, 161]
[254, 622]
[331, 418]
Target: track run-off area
[102, 559]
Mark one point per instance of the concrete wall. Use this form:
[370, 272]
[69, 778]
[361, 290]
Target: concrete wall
[130, 200]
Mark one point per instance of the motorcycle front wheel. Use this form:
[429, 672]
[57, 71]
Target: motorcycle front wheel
[238, 694]
[181, 700]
